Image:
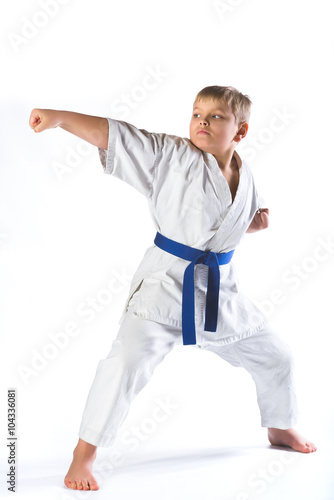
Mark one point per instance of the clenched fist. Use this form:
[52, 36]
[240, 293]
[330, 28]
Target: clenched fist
[260, 220]
[42, 119]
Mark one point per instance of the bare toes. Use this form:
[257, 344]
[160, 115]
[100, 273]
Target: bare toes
[68, 483]
[312, 446]
[73, 485]
[93, 484]
[308, 448]
[85, 484]
[79, 483]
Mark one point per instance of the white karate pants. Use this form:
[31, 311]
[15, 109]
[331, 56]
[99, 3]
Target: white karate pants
[142, 344]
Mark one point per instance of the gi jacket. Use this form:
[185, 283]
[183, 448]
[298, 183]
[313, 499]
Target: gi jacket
[190, 202]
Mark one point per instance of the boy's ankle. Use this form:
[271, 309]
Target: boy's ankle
[84, 448]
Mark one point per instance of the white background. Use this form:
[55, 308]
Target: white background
[64, 236]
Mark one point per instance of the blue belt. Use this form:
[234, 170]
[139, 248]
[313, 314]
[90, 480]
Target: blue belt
[211, 259]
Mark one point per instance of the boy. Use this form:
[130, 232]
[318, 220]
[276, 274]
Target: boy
[203, 200]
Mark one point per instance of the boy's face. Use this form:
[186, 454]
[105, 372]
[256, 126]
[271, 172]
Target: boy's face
[213, 127]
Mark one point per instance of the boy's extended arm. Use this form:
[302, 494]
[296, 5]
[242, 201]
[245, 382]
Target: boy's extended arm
[92, 129]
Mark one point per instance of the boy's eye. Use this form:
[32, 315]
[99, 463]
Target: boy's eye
[197, 115]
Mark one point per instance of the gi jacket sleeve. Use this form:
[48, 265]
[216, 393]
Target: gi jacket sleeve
[260, 201]
[132, 155]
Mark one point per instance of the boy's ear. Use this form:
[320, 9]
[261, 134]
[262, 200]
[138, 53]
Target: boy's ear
[242, 132]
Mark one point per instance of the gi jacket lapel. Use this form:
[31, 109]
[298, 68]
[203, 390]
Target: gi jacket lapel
[242, 209]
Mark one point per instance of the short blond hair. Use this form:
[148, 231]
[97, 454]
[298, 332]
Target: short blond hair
[239, 103]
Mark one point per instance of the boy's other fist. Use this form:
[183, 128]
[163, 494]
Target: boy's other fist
[42, 119]
[260, 220]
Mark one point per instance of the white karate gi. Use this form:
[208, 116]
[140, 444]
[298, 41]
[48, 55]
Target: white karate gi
[190, 202]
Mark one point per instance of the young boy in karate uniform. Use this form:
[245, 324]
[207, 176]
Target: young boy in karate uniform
[203, 200]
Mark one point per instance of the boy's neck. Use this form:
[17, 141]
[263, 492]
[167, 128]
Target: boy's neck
[227, 161]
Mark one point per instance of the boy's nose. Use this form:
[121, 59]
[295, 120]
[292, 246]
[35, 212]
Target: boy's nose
[203, 122]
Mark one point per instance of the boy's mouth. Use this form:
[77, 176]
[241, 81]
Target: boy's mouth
[202, 131]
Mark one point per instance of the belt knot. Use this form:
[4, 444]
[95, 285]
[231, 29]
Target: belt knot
[213, 260]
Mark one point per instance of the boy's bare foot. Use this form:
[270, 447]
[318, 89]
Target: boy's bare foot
[292, 438]
[79, 476]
